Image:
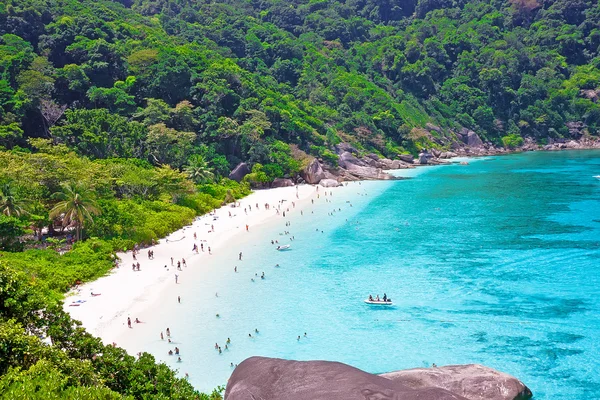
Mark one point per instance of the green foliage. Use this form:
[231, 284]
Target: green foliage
[76, 206]
[11, 229]
[100, 134]
[242, 81]
[75, 365]
[258, 176]
[512, 141]
[87, 260]
[198, 170]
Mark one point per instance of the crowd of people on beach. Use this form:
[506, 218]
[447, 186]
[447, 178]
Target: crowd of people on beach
[283, 208]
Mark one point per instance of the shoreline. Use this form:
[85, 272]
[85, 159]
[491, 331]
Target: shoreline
[124, 293]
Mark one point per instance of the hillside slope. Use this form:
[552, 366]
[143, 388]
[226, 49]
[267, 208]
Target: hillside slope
[275, 83]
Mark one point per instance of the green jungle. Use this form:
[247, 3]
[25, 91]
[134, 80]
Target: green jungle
[120, 122]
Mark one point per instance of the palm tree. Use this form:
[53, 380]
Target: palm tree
[9, 204]
[76, 206]
[198, 169]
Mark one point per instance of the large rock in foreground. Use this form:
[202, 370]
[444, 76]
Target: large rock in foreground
[472, 381]
[276, 379]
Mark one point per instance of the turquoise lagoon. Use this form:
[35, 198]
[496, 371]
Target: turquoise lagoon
[497, 262]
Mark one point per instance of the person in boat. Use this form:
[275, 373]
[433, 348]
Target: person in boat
[384, 297]
[370, 298]
[377, 298]
[278, 247]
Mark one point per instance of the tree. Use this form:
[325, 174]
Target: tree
[76, 206]
[10, 134]
[198, 169]
[9, 204]
[11, 229]
[169, 146]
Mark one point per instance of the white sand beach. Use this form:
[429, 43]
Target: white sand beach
[125, 292]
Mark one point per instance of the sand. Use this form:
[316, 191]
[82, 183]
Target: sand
[125, 292]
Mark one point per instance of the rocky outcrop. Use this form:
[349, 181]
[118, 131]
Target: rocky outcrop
[313, 173]
[280, 182]
[424, 158]
[407, 158]
[275, 379]
[586, 142]
[362, 169]
[473, 140]
[239, 172]
[272, 378]
[432, 127]
[345, 147]
[473, 382]
[329, 183]
[448, 154]
[346, 158]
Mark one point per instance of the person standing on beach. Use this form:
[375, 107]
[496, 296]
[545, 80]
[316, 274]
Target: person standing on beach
[129, 322]
[176, 278]
[240, 256]
[168, 332]
[179, 299]
[246, 227]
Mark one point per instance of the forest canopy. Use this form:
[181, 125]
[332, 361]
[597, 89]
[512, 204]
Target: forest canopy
[265, 81]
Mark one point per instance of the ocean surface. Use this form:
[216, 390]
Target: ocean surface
[497, 263]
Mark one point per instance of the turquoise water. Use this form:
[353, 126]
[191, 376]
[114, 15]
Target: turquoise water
[494, 263]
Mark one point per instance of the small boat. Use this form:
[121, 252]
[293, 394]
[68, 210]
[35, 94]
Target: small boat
[283, 247]
[388, 302]
[597, 176]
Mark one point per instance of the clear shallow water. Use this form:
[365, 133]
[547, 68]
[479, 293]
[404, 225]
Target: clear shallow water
[494, 263]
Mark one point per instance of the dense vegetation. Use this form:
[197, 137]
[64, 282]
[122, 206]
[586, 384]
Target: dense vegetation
[46, 355]
[269, 81]
[115, 204]
[120, 120]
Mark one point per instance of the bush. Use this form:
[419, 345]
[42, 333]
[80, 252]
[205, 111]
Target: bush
[87, 261]
[512, 141]
[258, 176]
